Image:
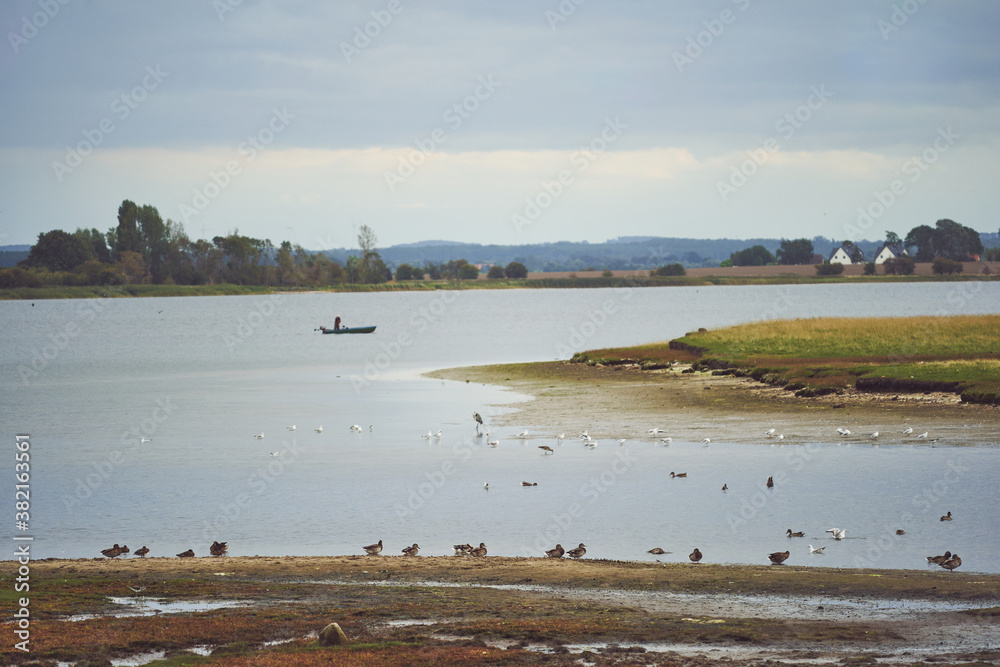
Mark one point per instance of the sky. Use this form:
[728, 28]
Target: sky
[522, 121]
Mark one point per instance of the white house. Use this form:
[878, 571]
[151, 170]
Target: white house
[890, 252]
[839, 256]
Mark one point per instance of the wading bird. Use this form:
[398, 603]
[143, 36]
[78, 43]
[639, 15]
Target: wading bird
[546, 449]
[478, 419]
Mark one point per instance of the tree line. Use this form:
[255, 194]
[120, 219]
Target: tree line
[145, 249]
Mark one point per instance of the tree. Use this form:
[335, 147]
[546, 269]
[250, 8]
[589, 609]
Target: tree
[922, 237]
[903, 266]
[756, 255]
[96, 243]
[869, 268]
[669, 270]
[853, 251]
[407, 272]
[515, 270]
[57, 251]
[468, 272]
[943, 265]
[956, 242]
[495, 273]
[799, 251]
[433, 271]
[892, 239]
[828, 269]
[371, 269]
[726, 264]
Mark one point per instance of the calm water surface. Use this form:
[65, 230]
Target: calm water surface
[199, 377]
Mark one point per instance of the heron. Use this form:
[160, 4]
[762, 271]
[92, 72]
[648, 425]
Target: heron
[546, 449]
[478, 419]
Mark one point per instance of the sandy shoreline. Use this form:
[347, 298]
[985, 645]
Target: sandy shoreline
[627, 402]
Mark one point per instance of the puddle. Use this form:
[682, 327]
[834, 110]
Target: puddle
[139, 606]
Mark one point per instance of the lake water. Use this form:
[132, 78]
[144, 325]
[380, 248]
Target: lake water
[199, 377]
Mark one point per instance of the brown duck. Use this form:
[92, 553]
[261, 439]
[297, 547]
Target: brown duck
[141, 553]
[218, 548]
[937, 560]
[695, 555]
[952, 563]
[779, 557]
[115, 551]
[479, 551]
[578, 552]
[556, 553]
[374, 549]
[797, 534]
[656, 551]
[678, 474]
[186, 554]
[412, 550]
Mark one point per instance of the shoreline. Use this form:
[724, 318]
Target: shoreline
[617, 401]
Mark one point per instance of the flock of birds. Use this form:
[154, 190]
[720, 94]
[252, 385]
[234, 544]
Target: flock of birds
[216, 549]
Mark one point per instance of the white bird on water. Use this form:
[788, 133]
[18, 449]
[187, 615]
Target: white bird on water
[486, 485]
[438, 434]
[522, 434]
[622, 442]
[590, 443]
[585, 436]
[291, 428]
[144, 440]
[260, 436]
[561, 436]
[493, 443]
[656, 431]
[428, 435]
[666, 440]
[838, 534]
[814, 550]
[319, 430]
[356, 427]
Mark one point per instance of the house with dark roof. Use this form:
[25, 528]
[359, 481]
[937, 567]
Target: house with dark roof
[893, 251]
[841, 256]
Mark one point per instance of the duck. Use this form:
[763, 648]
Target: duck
[946, 517]
[678, 474]
[657, 551]
[546, 449]
[141, 553]
[218, 548]
[795, 534]
[814, 550]
[412, 550]
[113, 552]
[479, 551]
[556, 553]
[952, 563]
[695, 555]
[937, 560]
[901, 532]
[462, 549]
[779, 557]
[725, 487]
[578, 552]
[374, 549]
[529, 483]
[186, 554]
[770, 482]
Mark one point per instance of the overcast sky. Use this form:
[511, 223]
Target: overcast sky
[521, 121]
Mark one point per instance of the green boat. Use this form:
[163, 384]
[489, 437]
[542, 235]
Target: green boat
[348, 330]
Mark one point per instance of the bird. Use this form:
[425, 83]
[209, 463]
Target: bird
[438, 434]
[356, 427]
[814, 550]
[478, 418]
[186, 554]
[428, 435]
[141, 553]
[561, 436]
[218, 548]
[486, 485]
[946, 517]
[275, 454]
[291, 428]
[590, 443]
[479, 551]
[770, 482]
[136, 589]
[769, 432]
[657, 551]
[522, 434]
[908, 430]
[113, 552]
[667, 440]
[952, 563]
[779, 557]
[621, 442]
[145, 440]
[841, 534]
[695, 555]
[460, 549]
[874, 436]
[493, 443]
[922, 436]
[677, 474]
[796, 534]
[556, 553]
[578, 552]
[705, 441]
[260, 436]
[546, 449]
[656, 431]
[937, 560]
[529, 483]
[374, 549]
[725, 487]
[901, 532]
[412, 550]
[779, 437]
[319, 430]
[843, 431]
[585, 436]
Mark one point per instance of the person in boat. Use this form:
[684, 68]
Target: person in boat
[336, 323]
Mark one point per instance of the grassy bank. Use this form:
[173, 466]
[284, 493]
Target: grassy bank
[121, 291]
[959, 354]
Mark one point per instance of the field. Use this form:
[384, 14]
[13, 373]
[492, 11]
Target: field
[959, 354]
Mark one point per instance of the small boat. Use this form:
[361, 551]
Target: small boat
[348, 330]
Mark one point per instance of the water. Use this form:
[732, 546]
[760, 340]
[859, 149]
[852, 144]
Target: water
[201, 376]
